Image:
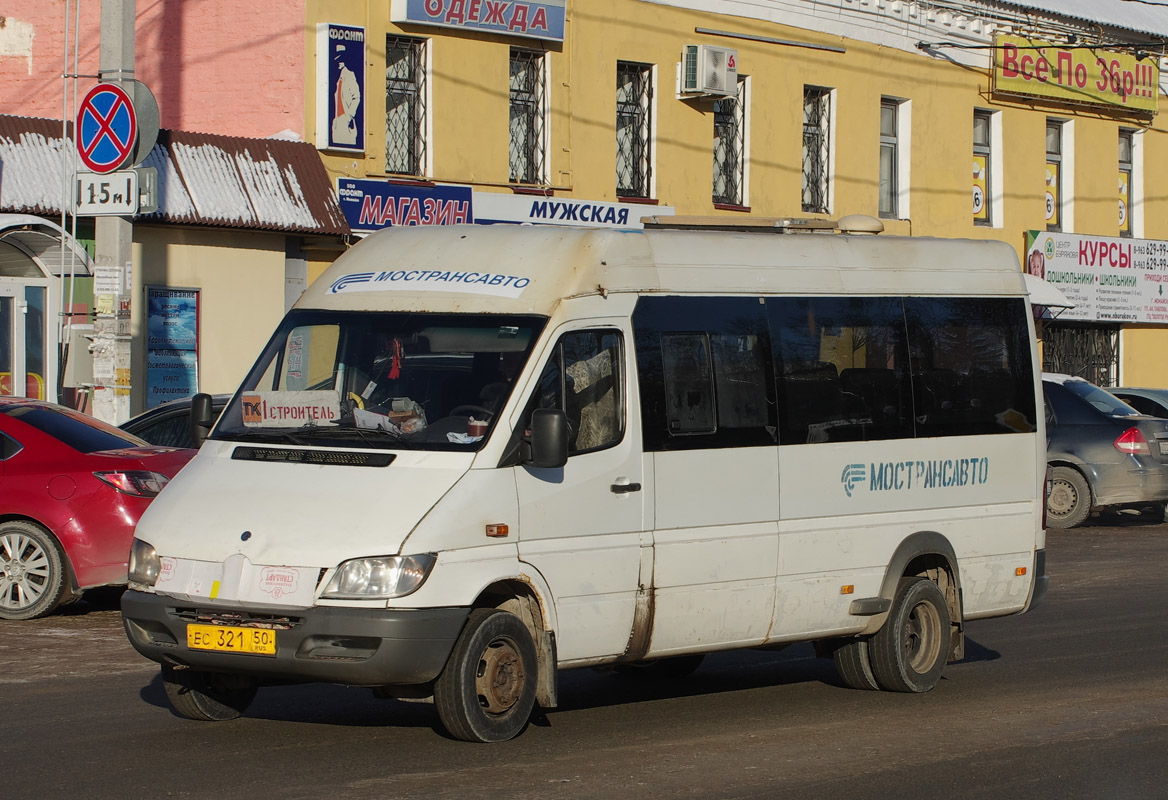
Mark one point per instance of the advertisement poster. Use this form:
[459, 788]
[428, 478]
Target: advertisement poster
[172, 344]
[981, 210]
[1052, 193]
[1076, 74]
[340, 87]
[537, 19]
[370, 205]
[1108, 278]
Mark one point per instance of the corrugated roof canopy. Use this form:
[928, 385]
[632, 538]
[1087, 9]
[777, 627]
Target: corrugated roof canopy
[203, 179]
[1142, 17]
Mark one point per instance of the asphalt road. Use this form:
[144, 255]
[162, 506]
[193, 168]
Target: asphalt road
[1069, 701]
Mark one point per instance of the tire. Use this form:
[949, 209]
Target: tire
[909, 653]
[666, 669]
[487, 691]
[1069, 501]
[33, 575]
[207, 696]
[853, 662]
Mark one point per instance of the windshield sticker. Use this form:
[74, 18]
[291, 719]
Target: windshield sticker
[900, 476]
[290, 409]
[432, 280]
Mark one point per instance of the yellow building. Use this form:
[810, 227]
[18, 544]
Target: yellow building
[602, 111]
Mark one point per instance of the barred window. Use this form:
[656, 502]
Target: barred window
[528, 158]
[730, 148]
[634, 129]
[405, 105]
[816, 144]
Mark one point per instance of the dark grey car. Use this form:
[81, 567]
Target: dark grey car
[1102, 453]
[169, 424]
[1153, 402]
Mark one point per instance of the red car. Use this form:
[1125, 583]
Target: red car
[71, 490]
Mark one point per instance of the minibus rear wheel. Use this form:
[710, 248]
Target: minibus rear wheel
[487, 691]
[909, 652]
[207, 696]
[854, 664]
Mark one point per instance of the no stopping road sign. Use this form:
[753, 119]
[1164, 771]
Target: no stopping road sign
[106, 129]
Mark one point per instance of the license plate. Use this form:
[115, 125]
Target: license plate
[1164, 448]
[227, 639]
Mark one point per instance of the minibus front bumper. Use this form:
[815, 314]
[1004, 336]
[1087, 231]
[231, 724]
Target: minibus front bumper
[354, 646]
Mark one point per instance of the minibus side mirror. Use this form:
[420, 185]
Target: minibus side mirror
[202, 417]
[549, 438]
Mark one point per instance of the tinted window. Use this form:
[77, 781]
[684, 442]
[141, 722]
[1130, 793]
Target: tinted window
[971, 366]
[1102, 401]
[704, 372]
[170, 431]
[8, 447]
[1144, 405]
[82, 433]
[843, 369]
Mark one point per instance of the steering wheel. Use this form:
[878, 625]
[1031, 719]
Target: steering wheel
[457, 410]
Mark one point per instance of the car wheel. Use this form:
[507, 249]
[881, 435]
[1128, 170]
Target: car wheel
[909, 652]
[854, 664]
[487, 691]
[33, 578]
[1069, 501]
[207, 696]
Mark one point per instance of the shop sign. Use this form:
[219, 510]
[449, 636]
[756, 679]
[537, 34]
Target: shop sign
[1108, 278]
[1075, 74]
[172, 344]
[494, 207]
[370, 205]
[536, 19]
[340, 87]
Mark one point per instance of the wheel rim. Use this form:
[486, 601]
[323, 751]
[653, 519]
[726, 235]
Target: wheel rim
[1063, 499]
[500, 678]
[922, 637]
[24, 571]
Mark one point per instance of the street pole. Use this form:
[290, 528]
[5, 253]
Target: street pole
[114, 242]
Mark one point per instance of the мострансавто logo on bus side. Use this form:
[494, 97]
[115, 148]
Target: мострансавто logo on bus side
[434, 280]
[895, 476]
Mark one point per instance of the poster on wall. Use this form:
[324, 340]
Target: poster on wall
[172, 344]
[1108, 278]
[981, 209]
[340, 87]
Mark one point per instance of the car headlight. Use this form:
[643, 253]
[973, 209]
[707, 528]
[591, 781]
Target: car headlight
[144, 563]
[379, 577]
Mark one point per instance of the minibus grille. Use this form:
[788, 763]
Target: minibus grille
[242, 619]
[346, 458]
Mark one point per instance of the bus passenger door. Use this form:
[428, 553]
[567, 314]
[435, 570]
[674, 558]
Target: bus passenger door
[581, 525]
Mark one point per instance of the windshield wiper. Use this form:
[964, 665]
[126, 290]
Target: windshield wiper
[369, 435]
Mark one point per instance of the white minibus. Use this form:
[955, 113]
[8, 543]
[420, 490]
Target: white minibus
[473, 456]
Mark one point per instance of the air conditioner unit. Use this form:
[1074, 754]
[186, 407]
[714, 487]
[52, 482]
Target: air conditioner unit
[708, 70]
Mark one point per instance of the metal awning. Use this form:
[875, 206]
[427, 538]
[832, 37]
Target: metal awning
[41, 240]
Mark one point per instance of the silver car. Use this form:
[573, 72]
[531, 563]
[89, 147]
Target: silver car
[1102, 453]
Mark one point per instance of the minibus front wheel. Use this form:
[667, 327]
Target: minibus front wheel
[487, 691]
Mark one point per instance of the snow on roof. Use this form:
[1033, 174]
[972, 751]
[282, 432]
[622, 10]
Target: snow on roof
[1143, 17]
[203, 179]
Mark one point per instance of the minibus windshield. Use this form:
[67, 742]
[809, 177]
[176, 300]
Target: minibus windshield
[394, 380]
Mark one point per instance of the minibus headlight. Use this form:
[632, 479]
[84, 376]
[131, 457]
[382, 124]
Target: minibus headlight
[144, 563]
[384, 576]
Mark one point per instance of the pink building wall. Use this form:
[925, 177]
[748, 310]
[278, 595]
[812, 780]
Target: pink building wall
[215, 66]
